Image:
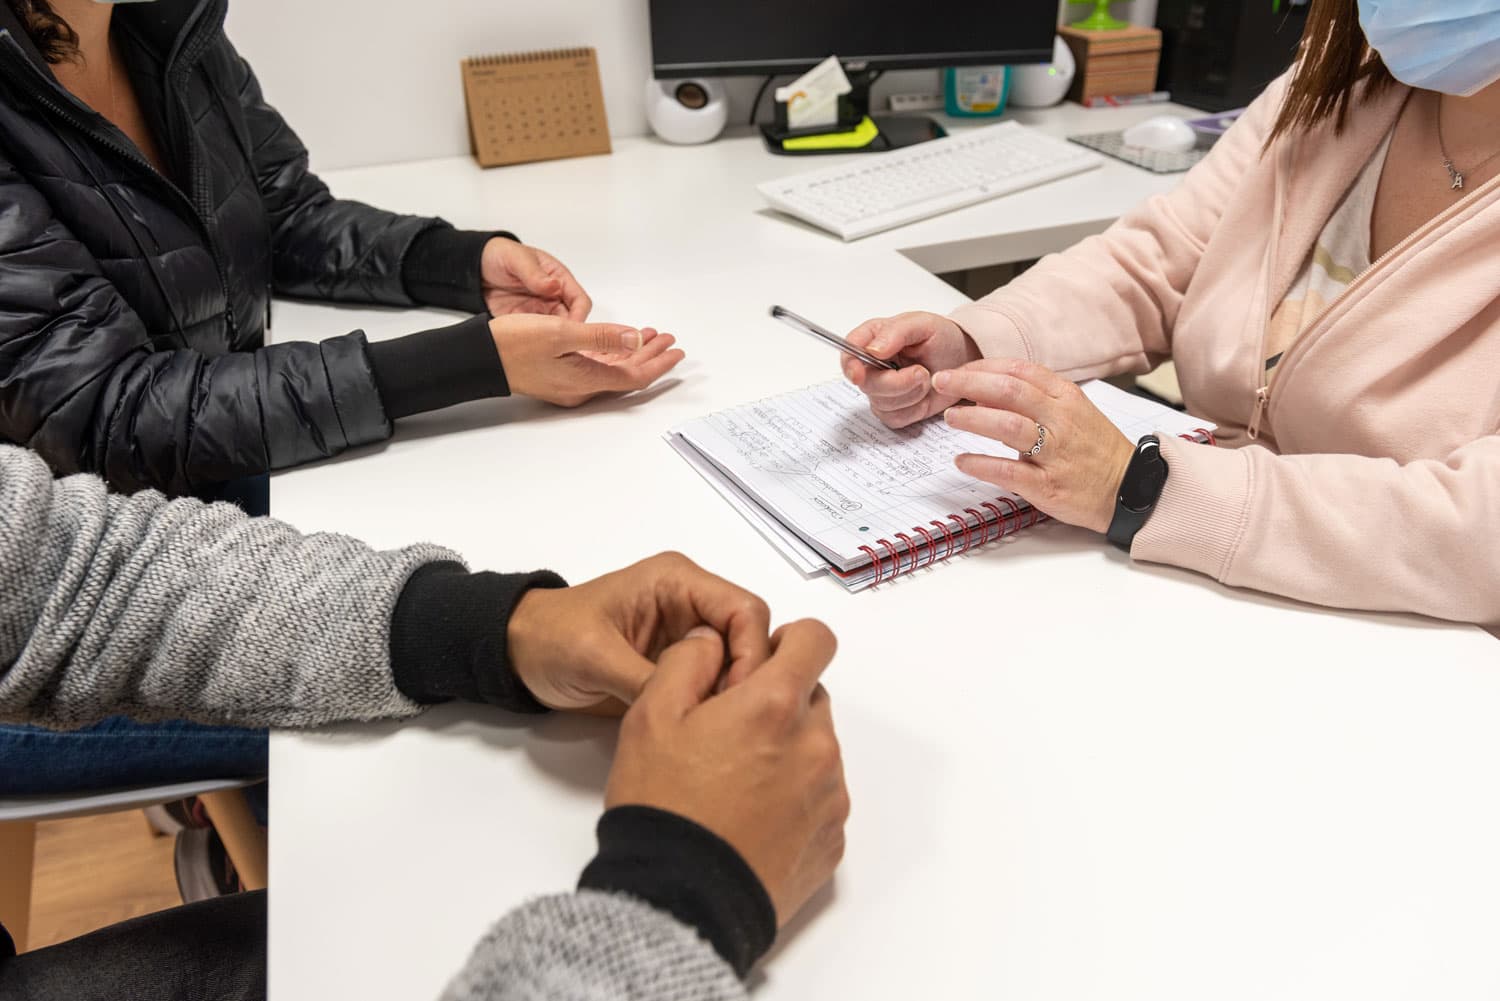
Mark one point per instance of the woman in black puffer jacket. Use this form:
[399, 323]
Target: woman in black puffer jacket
[151, 203]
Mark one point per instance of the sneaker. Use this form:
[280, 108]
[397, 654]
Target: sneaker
[202, 866]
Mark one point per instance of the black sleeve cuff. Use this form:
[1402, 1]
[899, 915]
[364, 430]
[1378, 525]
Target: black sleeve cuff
[441, 268]
[449, 636]
[689, 872]
[437, 368]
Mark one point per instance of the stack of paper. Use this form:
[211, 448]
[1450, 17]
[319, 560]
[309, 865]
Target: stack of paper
[836, 491]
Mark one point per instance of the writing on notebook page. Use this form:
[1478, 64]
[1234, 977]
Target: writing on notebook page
[775, 439]
[831, 486]
[822, 451]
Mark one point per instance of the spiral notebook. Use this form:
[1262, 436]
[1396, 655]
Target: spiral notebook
[837, 492]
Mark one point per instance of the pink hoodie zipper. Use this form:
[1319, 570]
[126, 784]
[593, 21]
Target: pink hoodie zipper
[1263, 394]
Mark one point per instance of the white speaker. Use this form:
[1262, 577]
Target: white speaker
[1041, 85]
[686, 111]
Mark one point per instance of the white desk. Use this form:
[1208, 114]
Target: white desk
[1073, 778]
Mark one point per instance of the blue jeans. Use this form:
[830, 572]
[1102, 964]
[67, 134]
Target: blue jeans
[119, 753]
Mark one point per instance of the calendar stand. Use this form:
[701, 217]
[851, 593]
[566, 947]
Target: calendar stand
[535, 106]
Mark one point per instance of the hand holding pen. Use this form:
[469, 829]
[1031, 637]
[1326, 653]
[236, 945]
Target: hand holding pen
[921, 344]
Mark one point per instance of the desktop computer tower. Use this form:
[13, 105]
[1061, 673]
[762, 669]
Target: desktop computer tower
[1219, 54]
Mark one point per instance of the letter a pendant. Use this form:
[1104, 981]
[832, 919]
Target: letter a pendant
[1454, 176]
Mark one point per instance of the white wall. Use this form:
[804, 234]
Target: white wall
[378, 82]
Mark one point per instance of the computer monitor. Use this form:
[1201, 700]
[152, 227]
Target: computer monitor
[746, 37]
[701, 38]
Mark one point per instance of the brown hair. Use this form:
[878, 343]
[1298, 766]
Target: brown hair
[1334, 60]
[53, 37]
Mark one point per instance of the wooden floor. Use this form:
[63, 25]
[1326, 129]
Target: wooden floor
[94, 871]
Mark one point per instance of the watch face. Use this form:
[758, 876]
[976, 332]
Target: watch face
[1144, 478]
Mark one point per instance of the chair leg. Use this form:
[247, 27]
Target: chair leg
[244, 839]
[17, 856]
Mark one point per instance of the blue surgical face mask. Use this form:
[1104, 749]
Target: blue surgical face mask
[1450, 46]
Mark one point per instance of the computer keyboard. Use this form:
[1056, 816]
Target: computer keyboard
[884, 190]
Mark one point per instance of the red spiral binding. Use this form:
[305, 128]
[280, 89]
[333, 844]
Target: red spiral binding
[1013, 510]
[931, 546]
[1203, 437]
[910, 548]
[947, 536]
[963, 525]
[1013, 518]
[999, 518]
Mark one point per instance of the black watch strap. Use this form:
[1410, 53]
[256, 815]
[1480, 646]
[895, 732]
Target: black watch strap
[1140, 488]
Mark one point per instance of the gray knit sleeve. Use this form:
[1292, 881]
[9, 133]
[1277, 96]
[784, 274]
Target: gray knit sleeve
[599, 946]
[162, 609]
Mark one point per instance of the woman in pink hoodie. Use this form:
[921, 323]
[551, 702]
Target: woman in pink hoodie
[1327, 281]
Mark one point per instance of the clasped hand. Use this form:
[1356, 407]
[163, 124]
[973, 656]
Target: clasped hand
[578, 647]
[728, 724]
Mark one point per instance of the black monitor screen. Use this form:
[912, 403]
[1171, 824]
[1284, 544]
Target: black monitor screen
[709, 37]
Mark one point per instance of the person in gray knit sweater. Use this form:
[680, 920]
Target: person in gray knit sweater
[175, 609]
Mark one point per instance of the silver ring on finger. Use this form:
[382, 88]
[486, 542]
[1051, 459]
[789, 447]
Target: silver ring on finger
[1041, 439]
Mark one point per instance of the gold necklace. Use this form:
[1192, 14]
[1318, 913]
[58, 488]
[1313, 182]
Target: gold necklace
[1455, 176]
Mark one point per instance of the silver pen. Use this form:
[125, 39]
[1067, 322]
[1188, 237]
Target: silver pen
[829, 337]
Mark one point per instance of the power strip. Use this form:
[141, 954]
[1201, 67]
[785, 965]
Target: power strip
[916, 102]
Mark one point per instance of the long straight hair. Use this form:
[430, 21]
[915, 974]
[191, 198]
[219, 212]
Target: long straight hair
[53, 37]
[1335, 67]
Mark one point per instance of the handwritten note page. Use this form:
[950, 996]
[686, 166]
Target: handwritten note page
[1137, 416]
[821, 463]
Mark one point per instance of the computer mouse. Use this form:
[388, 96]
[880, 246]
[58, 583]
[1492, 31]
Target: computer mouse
[1163, 133]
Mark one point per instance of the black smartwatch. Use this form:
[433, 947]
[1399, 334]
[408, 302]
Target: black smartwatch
[1139, 491]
